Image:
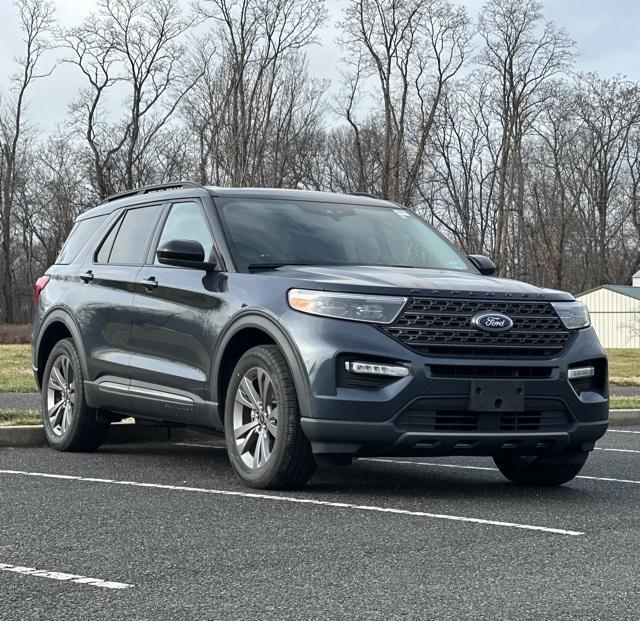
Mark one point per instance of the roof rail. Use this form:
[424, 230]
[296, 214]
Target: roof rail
[147, 189]
[367, 194]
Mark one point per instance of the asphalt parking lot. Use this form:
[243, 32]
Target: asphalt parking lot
[164, 531]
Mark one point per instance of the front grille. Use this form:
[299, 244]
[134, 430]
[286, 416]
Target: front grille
[437, 326]
[488, 372]
[421, 416]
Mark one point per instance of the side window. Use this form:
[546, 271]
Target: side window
[133, 236]
[79, 236]
[187, 221]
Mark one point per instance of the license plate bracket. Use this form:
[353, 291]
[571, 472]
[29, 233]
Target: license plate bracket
[496, 396]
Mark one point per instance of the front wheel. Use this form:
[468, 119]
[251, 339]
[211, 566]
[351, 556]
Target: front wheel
[265, 441]
[535, 471]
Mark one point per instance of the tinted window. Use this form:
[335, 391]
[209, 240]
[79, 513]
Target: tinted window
[132, 239]
[311, 233]
[107, 244]
[187, 221]
[79, 236]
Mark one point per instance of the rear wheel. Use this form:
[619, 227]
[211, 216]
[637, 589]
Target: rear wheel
[69, 423]
[535, 471]
[266, 445]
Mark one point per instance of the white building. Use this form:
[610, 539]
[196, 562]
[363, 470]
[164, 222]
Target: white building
[615, 313]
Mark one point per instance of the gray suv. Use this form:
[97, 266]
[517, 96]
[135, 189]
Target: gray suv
[310, 328]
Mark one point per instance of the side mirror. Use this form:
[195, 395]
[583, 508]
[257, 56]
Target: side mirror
[484, 264]
[184, 253]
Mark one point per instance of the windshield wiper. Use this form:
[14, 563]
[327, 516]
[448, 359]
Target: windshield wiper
[257, 267]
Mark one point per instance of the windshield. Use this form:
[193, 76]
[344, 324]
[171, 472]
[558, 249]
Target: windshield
[286, 232]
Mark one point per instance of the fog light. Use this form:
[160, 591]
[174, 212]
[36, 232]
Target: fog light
[368, 368]
[581, 372]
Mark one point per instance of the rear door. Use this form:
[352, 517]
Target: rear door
[106, 298]
[177, 314]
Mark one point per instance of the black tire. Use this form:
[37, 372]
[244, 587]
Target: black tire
[85, 431]
[533, 471]
[290, 463]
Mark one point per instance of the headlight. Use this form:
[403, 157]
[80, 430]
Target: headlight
[574, 315]
[370, 308]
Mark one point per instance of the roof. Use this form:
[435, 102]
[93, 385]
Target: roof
[636, 275]
[157, 194]
[631, 292]
[303, 195]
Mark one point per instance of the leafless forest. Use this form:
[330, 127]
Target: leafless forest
[482, 126]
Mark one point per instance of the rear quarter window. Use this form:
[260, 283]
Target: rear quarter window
[81, 233]
[133, 236]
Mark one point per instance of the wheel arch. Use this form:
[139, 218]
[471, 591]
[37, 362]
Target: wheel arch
[57, 325]
[247, 331]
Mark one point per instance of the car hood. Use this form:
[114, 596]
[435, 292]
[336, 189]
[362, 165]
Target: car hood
[390, 280]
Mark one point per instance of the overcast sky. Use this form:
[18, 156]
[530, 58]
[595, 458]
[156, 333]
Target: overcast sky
[607, 33]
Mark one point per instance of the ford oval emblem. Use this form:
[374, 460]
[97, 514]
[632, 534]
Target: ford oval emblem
[492, 322]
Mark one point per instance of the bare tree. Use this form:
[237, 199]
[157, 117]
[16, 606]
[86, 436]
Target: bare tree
[555, 187]
[608, 110]
[259, 88]
[458, 184]
[410, 50]
[137, 46]
[37, 22]
[522, 53]
[632, 160]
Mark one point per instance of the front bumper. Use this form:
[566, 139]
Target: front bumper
[353, 421]
[331, 437]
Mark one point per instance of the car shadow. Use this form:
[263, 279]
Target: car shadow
[204, 465]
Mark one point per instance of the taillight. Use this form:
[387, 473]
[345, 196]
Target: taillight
[41, 283]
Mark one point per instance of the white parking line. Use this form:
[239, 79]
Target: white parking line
[432, 465]
[607, 479]
[303, 501]
[616, 450]
[621, 431]
[64, 577]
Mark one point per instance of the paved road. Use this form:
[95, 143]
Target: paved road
[165, 531]
[19, 401]
[625, 391]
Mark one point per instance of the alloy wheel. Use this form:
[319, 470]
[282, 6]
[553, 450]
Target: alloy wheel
[61, 395]
[255, 418]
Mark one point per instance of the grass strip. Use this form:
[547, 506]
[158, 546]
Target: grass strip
[15, 369]
[13, 418]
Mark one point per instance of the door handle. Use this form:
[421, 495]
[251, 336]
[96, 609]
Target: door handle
[150, 283]
[87, 276]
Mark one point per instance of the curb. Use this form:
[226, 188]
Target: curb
[18, 437]
[28, 436]
[121, 433]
